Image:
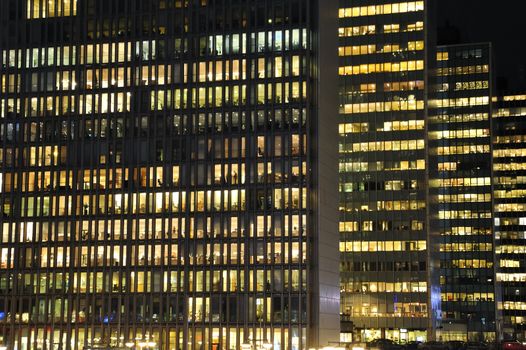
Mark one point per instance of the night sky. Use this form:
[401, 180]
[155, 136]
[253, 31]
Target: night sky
[501, 22]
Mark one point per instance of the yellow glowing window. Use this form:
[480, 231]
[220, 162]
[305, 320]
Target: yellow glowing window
[391, 28]
[415, 45]
[415, 26]
[50, 8]
[356, 31]
[373, 10]
[443, 56]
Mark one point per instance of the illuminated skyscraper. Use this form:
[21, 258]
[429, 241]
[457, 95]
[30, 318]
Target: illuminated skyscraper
[386, 270]
[460, 171]
[168, 174]
[509, 164]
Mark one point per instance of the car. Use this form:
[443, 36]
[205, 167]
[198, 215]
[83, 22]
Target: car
[456, 345]
[432, 345]
[412, 345]
[511, 345]
[384, 344]
[473, 345]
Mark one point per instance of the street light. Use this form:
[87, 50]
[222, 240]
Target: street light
[129, 344]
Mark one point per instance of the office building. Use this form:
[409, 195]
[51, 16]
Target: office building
[386, 265]
[460, 190]
[168, 174]
[509, 165]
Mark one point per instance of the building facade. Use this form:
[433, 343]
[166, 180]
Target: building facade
[168, 174]
[386, 271]
[509, 165]
[461, 198]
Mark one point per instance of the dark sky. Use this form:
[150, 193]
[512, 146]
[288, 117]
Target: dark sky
[501, 22]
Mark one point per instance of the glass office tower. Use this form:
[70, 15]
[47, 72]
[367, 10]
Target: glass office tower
[385, 258]
[168, 174]
[461, 190]
[509, 164]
